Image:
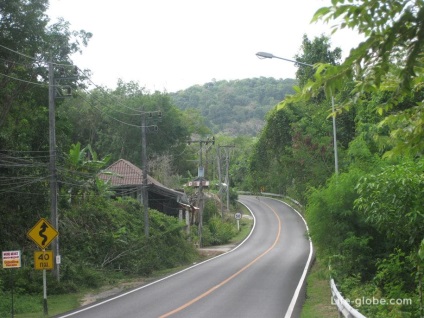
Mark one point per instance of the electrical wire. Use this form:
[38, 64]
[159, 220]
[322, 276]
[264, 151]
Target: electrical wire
[33, 58]
[19, 53]
[87, 77]
[106, 114]
[25, 81]
[98, 100]
[107, 94]
[24, 184]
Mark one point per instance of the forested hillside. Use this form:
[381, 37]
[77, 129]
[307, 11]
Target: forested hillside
[365, 214]
[42, 91]
[234, 107]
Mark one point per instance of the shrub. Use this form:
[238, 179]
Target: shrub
[217, 232]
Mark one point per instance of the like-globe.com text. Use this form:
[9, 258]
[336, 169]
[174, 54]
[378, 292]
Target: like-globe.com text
[373, 301]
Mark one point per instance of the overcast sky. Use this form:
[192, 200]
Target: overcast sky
[169, 45]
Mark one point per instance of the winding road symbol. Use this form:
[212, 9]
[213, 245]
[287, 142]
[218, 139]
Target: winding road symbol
[43, 227]
[42, 233]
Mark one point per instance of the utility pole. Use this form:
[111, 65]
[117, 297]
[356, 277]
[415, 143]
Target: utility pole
[200, 174]
[227, 176]
[54, 215]
[144, 167]
[220, 178]
[52, 168]
[144, 193]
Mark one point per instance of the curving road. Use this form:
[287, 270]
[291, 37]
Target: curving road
[263, 277]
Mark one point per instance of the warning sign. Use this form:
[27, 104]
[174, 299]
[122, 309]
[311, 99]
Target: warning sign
[42, 233]
[11, 259]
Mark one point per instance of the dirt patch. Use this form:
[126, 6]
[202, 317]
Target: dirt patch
[109, 291]
[209, 253]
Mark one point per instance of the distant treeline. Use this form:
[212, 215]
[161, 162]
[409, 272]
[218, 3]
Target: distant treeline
[235, 107]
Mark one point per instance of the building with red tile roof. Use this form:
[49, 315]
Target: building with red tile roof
[126, 179]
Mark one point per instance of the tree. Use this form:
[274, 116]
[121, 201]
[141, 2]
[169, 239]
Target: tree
[389, 59]
[392, 201]
[316, 51]
[28, 42]
[296, 143]
[79, 174]
[234, 107]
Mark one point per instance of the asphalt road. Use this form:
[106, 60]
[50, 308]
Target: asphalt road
[263, 277]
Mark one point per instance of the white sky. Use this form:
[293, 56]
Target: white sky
[168, 45]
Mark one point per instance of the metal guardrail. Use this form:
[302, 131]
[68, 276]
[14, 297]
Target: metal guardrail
[273, 195]
[344, 308]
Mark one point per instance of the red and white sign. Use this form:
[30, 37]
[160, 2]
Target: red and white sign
[11, 259]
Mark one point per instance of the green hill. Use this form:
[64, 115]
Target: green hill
[235, 107]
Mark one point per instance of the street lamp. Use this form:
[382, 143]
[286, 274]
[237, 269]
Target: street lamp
[265, 55]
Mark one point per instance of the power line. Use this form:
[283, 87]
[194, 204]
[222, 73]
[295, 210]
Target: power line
[25, 184]
[98, 100]
[25, 81]
[108, 115]
[86, 76]
[107, 94]
[19, 53]
[33, 58]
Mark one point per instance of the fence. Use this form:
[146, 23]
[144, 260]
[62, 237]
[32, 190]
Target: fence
[344, 308]
[273, 195]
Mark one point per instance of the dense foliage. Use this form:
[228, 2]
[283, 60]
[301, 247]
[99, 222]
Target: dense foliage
[367, 220]
[94, 127]
[234, 107]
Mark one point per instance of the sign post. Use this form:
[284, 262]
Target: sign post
[12, 259]
[43, 233]
[237, 216]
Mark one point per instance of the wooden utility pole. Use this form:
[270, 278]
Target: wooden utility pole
[52, 169]
[144, 166]
[220, 178]
[54, 214]
[144, 193]
[200, 174]
[227, 175]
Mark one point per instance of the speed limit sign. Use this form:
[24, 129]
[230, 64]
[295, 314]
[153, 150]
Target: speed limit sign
[237, 216]
[43, 260]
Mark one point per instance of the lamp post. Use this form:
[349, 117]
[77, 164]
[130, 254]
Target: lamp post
[265, 55]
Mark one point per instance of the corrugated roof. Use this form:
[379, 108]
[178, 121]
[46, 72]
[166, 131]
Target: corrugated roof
[123, 173]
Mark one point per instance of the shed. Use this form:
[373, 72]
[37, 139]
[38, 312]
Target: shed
[126, 179]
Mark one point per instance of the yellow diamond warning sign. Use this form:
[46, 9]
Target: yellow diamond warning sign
[42, 233]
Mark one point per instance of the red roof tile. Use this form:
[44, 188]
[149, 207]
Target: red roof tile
[123, 172]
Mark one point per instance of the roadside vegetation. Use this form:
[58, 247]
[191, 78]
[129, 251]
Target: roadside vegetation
[116, 257]
[318, 294]
[365, 219]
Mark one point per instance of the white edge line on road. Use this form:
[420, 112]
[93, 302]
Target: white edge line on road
[164, 278]
[305, 270]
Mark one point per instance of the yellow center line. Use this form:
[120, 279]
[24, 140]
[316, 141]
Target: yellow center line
[191, 302]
